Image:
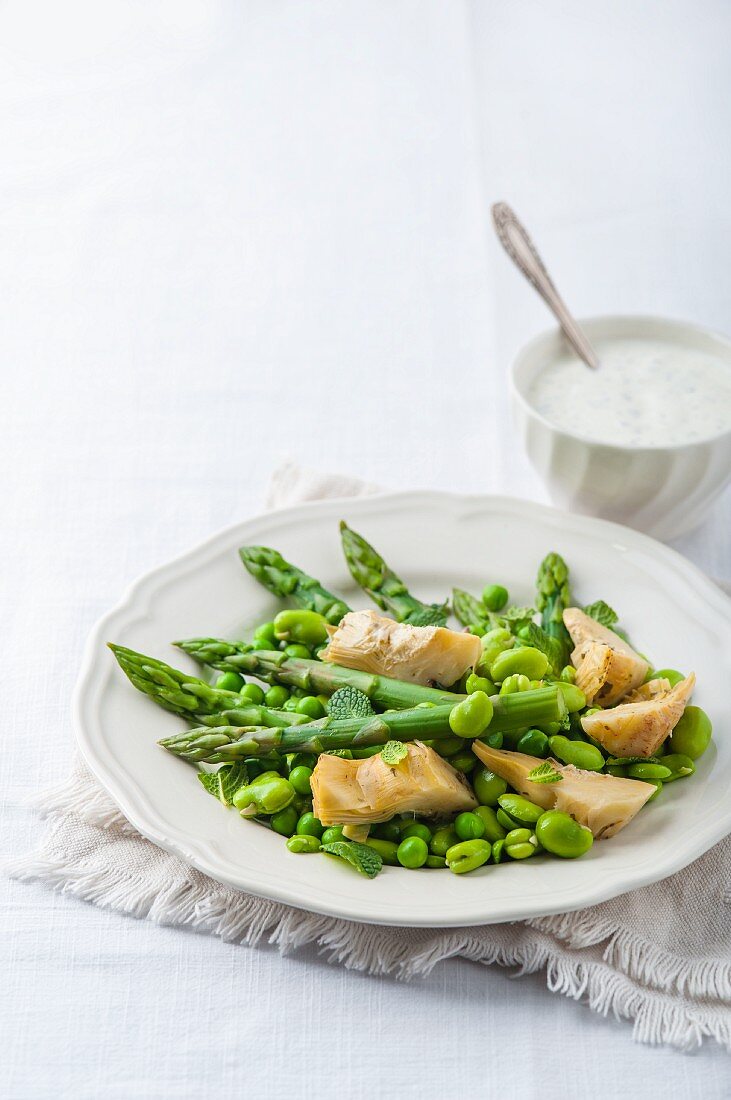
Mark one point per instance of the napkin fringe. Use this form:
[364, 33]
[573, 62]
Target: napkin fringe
[656, 1017]
[708, 979]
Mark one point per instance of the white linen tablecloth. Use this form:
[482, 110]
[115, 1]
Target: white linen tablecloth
[230, 232]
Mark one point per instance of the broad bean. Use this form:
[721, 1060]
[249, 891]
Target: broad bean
[492, 829]
[488, 787]
[562, 836]
[579, 753]
[520, 809]
[299, 625]
[524, 661]
[692, 735]
[468, 855]
[471, 716]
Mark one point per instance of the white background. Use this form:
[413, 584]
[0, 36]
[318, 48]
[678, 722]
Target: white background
[231, 232]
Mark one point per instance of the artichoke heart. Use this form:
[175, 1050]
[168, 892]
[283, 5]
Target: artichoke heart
[374, 643]
[607, 668]
[603, 803]
[368, 791]
[638, 726]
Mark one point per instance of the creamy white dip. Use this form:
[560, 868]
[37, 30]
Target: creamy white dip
[646, 393]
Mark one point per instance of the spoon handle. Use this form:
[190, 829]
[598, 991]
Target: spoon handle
[518, 245]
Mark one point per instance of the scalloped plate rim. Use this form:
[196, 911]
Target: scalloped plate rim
[201, 855]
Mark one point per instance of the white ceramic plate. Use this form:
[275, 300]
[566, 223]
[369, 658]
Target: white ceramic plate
[671, 610]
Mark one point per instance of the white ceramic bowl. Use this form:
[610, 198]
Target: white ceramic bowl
[664, 491]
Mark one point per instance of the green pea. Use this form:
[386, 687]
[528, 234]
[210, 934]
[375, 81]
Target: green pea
[648, 771]
[517, 836]
[448, 746]
[670, 674]
[533, 742]
[679, 766]
[492, 830]
[290, 705]
[692, 735]
[568, 674]
[498, 851]
[300, 780]
[468, 855]
[515, 683]
[386, 849]
[324, 701]
[387, 830]
[560, 835]
[276, 697]
[311, 706]
[268, 794]
[464, 763]
[331, 834]
[506, 820]
[299, 625]
[479, 683]
[285, 822]
[493, 643]
[494, 597]
[412, 853]
[296, 649]
[523, 661]
[520, 851]
[300, 842]
[309, 825]
[416, 828]
[435, 861]
[469, 826]
[472, 716]
[573, 697]
[519, 808]
[488, 787]
[230, 681]
[494, 740]
[442, 840]
[579, 753]
[264, 637]
[253, 693]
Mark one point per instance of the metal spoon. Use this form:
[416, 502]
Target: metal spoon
[524, 255]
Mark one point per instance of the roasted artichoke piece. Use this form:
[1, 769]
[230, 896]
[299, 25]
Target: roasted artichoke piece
[371, 642]
[604, 803]
[366, 791]
[607, 668]
[638, 727]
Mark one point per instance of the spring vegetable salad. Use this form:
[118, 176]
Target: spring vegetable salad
[386, 737]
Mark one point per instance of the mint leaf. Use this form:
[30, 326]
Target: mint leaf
[517, 617]
[349, 702]
[536, 636]
[224, 783]
[545, 773]
[393, 752]
[436, 615]
[364, 859]
[602, 613]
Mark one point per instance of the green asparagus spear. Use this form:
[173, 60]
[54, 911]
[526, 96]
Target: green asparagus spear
[193, 698]
[284, 579]
[316, 677]
[470, 611]
[553, 597]
[520, 710]
[388, 591]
